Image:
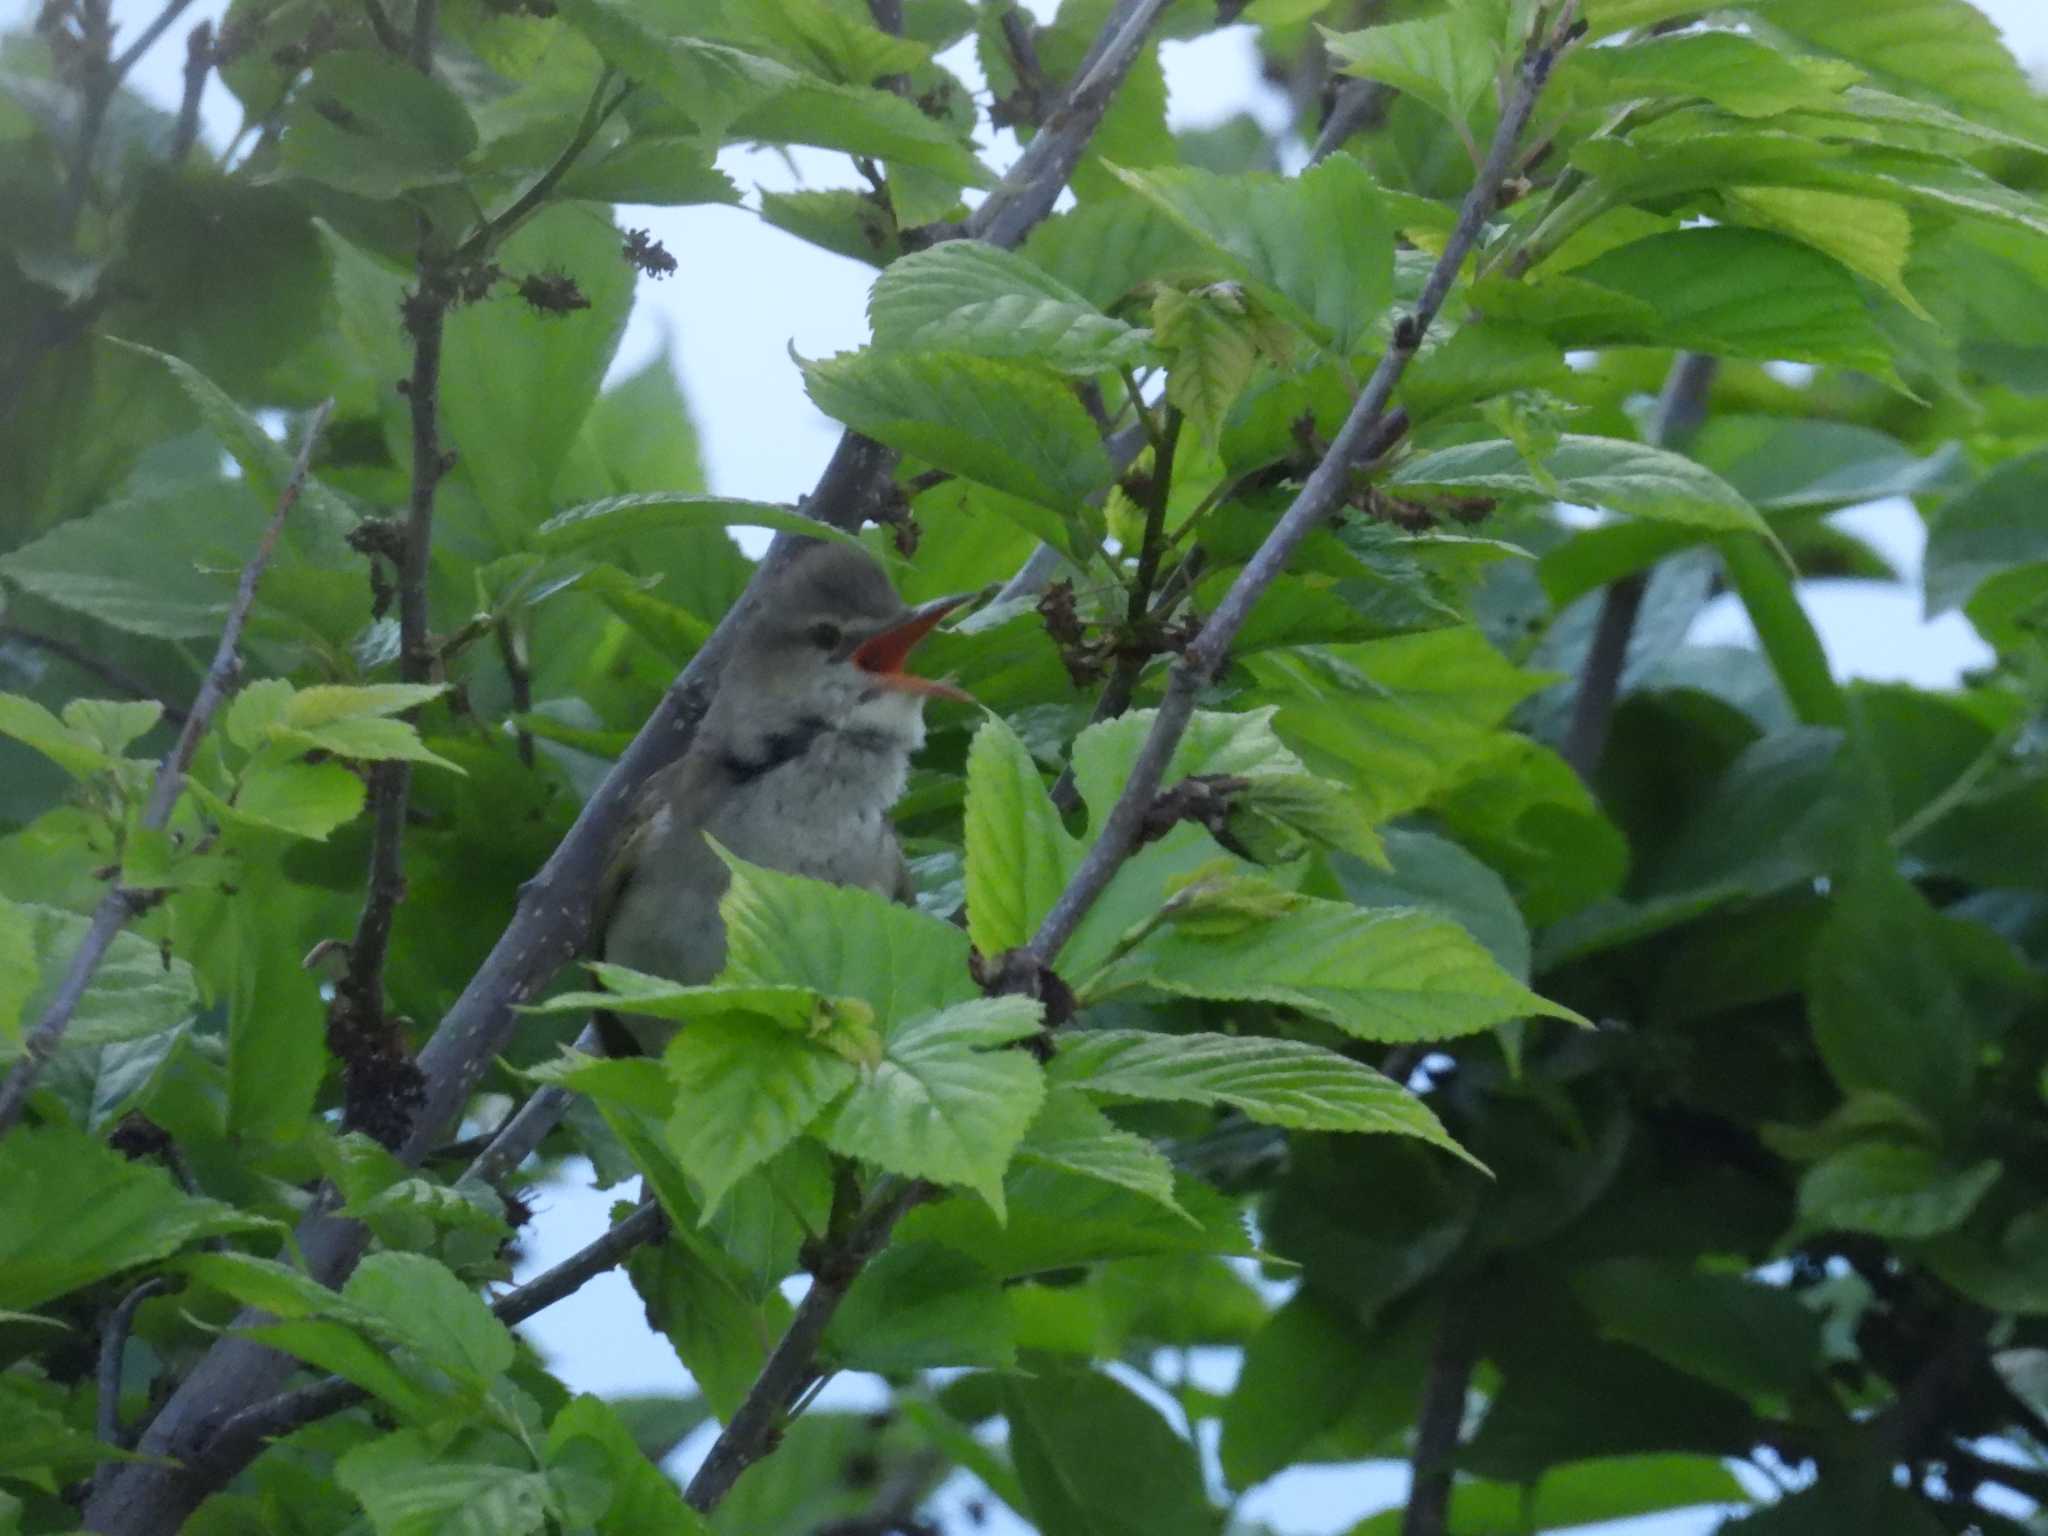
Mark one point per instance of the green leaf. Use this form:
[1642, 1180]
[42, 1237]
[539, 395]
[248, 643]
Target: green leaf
[304, 799]
[71, 749]
[265, 463]
[1007, 426]
[420, 1303]
[366, 738]
[1947, 49]
[862, 121]
[920, 1306]
[1886, 1011]
[1870, 236]
[1631, 478]
[72, 1211]
[337, 1347]
[642, 1496]
[1737, 1333]
[709, 83]
[1301, 1370]
[408, 1491]
[629, 519]
[747, 1089]
[947, 1102]
[1019, 857]
[1276, 1082]
[1211, 352]
[1783, 464]
[660, 171]
[1740, 293]
[369, 123]
[113, 725]
[782, 930]
[1447, 61]
[1997, 524]
[1892, 1189]
[1388, 975]
[1070, 1133]
[1439, 876]
[966, 296]
[1734, 72]
[517, 384]
[1319, 247]
[1096, 1459]
[134, 991]
[19, 970]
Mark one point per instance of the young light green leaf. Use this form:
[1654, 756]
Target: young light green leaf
[418, 1302]
[304, 799]
[862, 121]
[1277, 1082]
[73, 1210]
[1378, 975]
[965, 296]
[746, 1089]
[947, 1102]
[112, 725]
[1015, 428]
[73, 750]
[1019, 857]
[1070, 1133]
[1211, 351]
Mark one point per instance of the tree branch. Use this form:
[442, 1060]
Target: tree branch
[113, 1353]
[128, 56]
[551, 921]
[198, 62]
[1360, 104]
[793, 1367]
[243, 1434]
[1363, 436]
[422, 50]
[1681, 408]
[120, 903]
[1438, 1423]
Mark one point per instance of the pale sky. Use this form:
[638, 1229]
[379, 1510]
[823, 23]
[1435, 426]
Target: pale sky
[748, 294]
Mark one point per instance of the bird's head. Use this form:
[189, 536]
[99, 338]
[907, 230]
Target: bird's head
[826, 647]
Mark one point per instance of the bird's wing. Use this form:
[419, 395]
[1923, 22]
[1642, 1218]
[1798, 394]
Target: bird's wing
[673, 800]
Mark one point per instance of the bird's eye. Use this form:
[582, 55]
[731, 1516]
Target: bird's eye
[825, 637]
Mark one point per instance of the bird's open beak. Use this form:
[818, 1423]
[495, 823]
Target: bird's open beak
[883, 654]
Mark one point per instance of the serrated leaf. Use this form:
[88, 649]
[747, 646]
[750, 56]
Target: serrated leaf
[625, 519]
[1378, 975]
[1737, 73]
[1095, 1458]
[407, 1490]
[1447, 61]
[861, 120]
[1318, 247]
[746, 1089]
[304, 799]
[34, 726]
[369, 123]
[947, 1102]
[1002, 424]
[1019, 857]
[1631, 478]
[134, 992]
[73, 1210]
[709, 83]
[920, 1306]
[419, 1302]
[1892, 1189]
[966, 296]
[1070, 1133]
[1276, 1082]
[1210, 352]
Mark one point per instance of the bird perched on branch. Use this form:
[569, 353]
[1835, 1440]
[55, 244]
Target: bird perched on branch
[804, 750]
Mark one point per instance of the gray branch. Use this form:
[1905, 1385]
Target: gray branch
[120, 903]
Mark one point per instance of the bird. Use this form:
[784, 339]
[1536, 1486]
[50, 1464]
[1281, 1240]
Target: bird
[800, 758]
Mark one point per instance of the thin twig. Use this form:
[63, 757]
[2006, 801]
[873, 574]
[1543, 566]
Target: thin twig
[1362, 436]
[389, 38]
[551, 920]
[113, 1354]
[603, 102]
[793, 1367]
[126, 59]
[1681, 408]
[512, 652]
[280, 1415]
[85, 661]
[529, 1125]
[1438, 1424]
[120, 903]
[1360, 104]
[198, 63]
